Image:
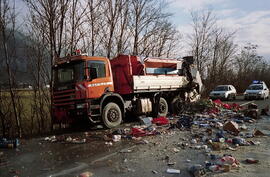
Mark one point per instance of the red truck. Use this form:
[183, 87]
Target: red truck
[104, 90]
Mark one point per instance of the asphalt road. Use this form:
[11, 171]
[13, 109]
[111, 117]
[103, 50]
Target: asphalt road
[37, 158]
[261, 103]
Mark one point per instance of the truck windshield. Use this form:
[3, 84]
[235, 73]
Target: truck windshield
[221, 88]
[70, 72]
[255, 87]
[97, 69]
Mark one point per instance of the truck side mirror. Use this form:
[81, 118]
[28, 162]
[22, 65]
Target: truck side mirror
[93, 73]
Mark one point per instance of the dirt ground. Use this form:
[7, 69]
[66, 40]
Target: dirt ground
[151, 156]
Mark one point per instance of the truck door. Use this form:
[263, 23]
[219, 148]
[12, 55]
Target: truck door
[100, 79]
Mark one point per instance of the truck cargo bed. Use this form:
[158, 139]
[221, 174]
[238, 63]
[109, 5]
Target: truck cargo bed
[159, 82]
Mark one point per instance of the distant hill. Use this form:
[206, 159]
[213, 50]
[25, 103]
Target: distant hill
[17, 49]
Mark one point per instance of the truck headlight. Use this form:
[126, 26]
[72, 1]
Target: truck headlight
[259, 93]
[81, 105]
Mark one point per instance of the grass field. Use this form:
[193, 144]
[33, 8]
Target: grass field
[33, 112]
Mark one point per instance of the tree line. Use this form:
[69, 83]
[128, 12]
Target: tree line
[55, 28]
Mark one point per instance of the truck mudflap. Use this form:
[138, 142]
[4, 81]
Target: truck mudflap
[67, 116]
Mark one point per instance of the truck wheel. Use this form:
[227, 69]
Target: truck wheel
[176, 106]
[163, 107]
[111, 115]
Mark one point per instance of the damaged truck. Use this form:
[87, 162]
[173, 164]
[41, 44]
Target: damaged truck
[103, 90]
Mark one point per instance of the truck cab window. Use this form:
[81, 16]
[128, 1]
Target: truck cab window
[65, 74]
[97, 69]
[71, 72]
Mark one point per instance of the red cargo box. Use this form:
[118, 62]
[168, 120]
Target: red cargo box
[124, 67]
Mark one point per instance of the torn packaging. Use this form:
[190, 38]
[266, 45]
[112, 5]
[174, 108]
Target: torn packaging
[231, 127]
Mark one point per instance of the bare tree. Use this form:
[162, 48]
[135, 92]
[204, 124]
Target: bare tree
[93, 24]
[7, 31]
[145, 16]
[49, 16]
[76, 21]
[203, 24]
[111, 15]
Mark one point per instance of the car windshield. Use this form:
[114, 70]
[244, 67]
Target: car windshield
[221, 88]
[71, 72]
[255, 87]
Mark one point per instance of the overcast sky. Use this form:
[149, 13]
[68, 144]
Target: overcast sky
[250, 18]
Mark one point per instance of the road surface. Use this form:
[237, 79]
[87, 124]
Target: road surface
[39, 158]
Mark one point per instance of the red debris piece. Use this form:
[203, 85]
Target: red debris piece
[251, 161]
[138, 132]
[229, 160]
[160, 121]
[213, 111]
[233, 106]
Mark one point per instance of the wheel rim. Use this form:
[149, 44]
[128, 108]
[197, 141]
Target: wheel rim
[162, 107]
[113, 115]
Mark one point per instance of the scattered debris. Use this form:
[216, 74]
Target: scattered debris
[109, 143]
[197, 170]
[251, 160]
[175, 150]
[160, 121]
[51, 139]
[188, 161]
[125, 151]
[5, 143]
[252, 106]
[231, 127]
[258, 133]
[218, 126]
[154, 171]
[265, 111]
[226, 168]
[86, 174]
[116, 138]
[147, 121]
[173, 171]
[171, 163]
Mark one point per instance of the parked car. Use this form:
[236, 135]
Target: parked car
[225, 92]
[257, 90]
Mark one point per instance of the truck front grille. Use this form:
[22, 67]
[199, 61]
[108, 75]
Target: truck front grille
[65, 97]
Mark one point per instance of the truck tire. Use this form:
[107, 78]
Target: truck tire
[111, 115]
[163, 107]
[176, 105]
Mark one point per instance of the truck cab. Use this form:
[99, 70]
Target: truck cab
[78, 82]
